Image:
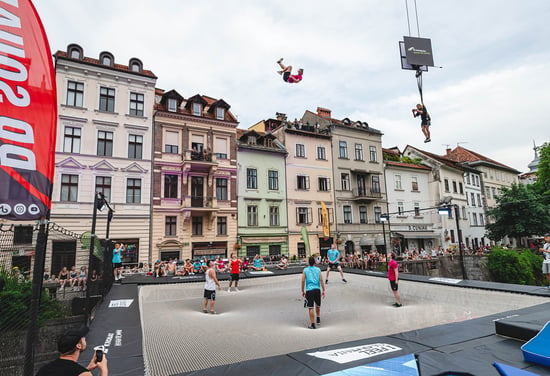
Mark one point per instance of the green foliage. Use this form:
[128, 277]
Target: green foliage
[15, 301]
[409, 160]
[390, 156]
[520, 212]
[543, 173]
[519, 267]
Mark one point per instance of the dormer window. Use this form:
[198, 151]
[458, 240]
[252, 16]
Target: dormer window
[75, 54]
[220, 113]
[74, 51]
[172, 105]
[251, 140]
[135, 65]
[105, 58]
[197, 109]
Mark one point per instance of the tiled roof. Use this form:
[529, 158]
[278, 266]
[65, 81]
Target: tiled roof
[460, 154]
[439, 158]
[408, 165]
[92, 61]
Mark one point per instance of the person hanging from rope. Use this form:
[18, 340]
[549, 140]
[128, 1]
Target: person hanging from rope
[421, 111]
[286, 73]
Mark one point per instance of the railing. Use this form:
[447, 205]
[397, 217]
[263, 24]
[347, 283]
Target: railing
[366, 193]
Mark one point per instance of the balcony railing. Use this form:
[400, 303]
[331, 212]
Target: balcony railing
[366, 193]
[201, 202]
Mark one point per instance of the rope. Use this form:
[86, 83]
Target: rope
[419, 83]
[417, 24]
[408, 20]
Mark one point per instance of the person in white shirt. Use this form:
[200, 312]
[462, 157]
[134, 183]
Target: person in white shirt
[546, 253]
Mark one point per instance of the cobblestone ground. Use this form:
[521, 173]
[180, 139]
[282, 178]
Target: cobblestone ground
[267, 317]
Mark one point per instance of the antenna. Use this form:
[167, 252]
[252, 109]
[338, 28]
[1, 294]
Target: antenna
[446, 145]
[460, 143]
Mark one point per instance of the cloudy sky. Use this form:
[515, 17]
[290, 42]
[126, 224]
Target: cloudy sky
[491, 95]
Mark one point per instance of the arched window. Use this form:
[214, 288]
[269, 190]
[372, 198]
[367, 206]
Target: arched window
[106, 58]
[135, 65]
[74, 51]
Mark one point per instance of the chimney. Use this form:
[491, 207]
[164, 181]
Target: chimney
[280, 116]
[448, 151]
[324, 112]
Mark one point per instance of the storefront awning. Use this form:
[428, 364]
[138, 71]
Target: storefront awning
[417, 235]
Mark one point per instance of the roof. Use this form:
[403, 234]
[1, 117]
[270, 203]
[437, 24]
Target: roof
[91, 61]
[460, 154]
[407, 165]
[446, 161]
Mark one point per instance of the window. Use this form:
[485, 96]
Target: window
[473, 199]
[358, 152]
[107, 99]
[197, 109]
[22, 234]
[252, 215]
[417, 209]
[300, 151]
[171, 142]
[106, 60]
[398, 182]
[479, 199]
[221, 189]
[494, 192]
[303, 216]
[69, 188]
[488, 192]
[460, 188]
[454, 187]
[220, 113]
[172, 105]
[464, 216]
[372, 153]
[363, 217]
[324, 184]
[103, 185]
[414, 183]
[321, 153]
[222, 225]
[133, 191]
[301, 250]
[170, 186]
[136, 104]
[71, 141]
[343, 149]
[251, 178]
[481, 220]
[400, 208]
[196, 225]
[446, 183]
[273, 180]
[302, 182]
[346, 186]
[74, 53]
[474, 217]
[468, 179]
[105, 143]
[477, 180]
[135, 146]
[220, 147]
[75, 94]
[252, 250]
[377, 214]
[375, 184]
[170, 227]
[274, 216]
[135, 67]
[347, 213]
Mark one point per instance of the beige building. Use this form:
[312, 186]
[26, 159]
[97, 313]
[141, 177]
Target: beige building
[195, 172]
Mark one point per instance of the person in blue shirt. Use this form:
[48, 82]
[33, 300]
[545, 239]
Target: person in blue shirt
[333, 255]
[312, 290]
[257, 263]
[197, 266]
[117, 261]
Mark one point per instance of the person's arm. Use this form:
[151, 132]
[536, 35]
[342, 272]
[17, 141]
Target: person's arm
[322, 284]
[303, 283]
[103, 370]
[544, 250]
[396, 268]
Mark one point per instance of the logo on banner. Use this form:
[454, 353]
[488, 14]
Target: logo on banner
[351, 354]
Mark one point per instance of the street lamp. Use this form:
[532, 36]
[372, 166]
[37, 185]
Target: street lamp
[383, 219]
[446, 210]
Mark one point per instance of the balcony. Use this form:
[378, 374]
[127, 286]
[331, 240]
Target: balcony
[201, 202]
[196, 161]
[366, 194]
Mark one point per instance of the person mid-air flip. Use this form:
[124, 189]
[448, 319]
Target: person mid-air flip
[287, 77]
[421, 111]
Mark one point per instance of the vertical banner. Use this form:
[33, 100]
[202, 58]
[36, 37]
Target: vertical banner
[325, 220]
[305, 238]
[28, 113]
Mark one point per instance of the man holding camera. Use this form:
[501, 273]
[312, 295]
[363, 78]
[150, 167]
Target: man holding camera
[546, 253]
[71, 345]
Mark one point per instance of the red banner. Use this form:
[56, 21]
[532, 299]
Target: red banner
[28, 113]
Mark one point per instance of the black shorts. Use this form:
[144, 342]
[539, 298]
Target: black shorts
[117, 265]
[313, 297]
[426, 123]
[210, 295]
[393, 285]
[235, 276]
[286, 75]
[334, 265]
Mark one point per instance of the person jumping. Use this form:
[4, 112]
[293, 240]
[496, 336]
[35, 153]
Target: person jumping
[286, 72]
[421, 111]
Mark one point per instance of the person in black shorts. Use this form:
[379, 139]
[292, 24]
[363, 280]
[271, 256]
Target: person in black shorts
[421, 111]
[312, 290]
[286, 73]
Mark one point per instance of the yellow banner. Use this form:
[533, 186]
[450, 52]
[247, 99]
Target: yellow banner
[324, 220]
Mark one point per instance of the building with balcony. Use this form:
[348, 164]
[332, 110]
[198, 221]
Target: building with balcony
[263, 226]
[195, 176]
[358, 176]
[104, 138]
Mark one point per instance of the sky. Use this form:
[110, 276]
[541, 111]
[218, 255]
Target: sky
[490, 95]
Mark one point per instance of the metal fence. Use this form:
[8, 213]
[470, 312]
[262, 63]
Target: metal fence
[33, 259]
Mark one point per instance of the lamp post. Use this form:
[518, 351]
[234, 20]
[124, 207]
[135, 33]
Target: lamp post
[383, 219]
[447, 210]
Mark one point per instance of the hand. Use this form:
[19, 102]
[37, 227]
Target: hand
[303, 293]
[95, 364]
[323, 294]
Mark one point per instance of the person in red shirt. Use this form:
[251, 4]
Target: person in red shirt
[286, 72]
[393, 276]
[235, 269]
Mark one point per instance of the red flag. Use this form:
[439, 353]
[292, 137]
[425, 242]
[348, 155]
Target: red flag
[28, 113]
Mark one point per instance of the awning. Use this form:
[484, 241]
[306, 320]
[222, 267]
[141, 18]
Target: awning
[417, 235]
[366, 240]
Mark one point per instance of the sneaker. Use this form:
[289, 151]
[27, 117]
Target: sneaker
[427, 140]
[237, 289]
[318, 321]
[280, 71]
[121, 277]
[229, 289]
[344, 280]
[326, 281]
[280, 60]
[397, 304]
[204, 311]
[311, 326]
[213, 312]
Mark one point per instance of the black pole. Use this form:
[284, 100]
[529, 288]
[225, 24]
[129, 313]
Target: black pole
[36, 294]
[385, 245]
[464, 276]
[107, 277]
[89, 275]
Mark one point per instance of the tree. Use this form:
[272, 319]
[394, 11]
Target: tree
[542, 185]
[520, 212]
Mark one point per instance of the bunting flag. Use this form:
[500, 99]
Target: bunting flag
[325, 220]
[305, 238]
[28, 113]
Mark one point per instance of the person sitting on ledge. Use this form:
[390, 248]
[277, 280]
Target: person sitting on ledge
[283, 263]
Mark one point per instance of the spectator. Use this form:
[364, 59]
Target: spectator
[63, 278]
[70, 345]
[220, 265]
[188, 268]
[46, 274]
[257, 263]
[283, 263]
[196, 266]
[73, 278]
[117, 261]
[82, 279]
[244, 265]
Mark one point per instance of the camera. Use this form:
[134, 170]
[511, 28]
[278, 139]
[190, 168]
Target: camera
[99, 353]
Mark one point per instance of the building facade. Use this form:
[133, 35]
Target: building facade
[195, 171]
